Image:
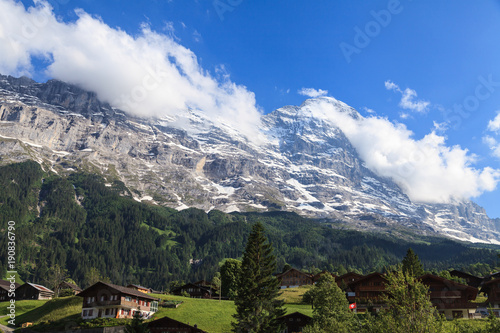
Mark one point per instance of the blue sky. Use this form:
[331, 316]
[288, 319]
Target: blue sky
[430, 65]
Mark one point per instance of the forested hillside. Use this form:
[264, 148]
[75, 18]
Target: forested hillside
[85, 224]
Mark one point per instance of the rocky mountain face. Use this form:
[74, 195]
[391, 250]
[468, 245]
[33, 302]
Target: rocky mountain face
[305, 163]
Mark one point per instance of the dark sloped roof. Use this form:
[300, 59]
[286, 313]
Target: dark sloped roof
[123, 290]
[167, 320]
[5, 283]
[295, 314]
[38, 287]
[70, 285]
[137, 286]
[455, 284]
[367, 277]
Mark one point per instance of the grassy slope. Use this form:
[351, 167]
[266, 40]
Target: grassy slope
[209, 315]
[64, 308]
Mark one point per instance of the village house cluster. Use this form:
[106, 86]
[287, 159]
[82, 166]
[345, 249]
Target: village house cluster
[105, 300]
[452, 299]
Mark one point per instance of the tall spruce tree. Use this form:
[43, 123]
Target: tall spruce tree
[257, 306]
[412, 265]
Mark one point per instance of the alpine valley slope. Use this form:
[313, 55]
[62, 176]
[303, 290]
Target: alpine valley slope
[304, 163]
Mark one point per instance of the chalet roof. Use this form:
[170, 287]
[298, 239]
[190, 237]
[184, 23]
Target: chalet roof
[460, 274]
[165, 321]
[38, 287]
[455, 284]
[5, 283]
[137, 286]
[491, 282]
[121, 289]
[487, 285]
[293, 269]
[295, 314]
[203, 283]
[70, 285]
[6, 288]
[349, 274]
[367, 277]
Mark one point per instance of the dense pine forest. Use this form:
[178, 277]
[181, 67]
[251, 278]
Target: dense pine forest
[87, 224]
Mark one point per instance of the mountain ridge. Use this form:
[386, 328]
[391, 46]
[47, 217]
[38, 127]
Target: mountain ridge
[306, 164]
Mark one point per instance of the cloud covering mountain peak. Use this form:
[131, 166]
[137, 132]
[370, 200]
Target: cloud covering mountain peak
[149, 74]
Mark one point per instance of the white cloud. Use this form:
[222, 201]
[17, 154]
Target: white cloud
[408, 97]
[389, 85]
[311, 92]
[494, 125]
[440, 127]
[148, 74]
[427, 169]
[197, 36]
[493, 144]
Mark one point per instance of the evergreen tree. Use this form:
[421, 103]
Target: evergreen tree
[412, 265]
[257, 306]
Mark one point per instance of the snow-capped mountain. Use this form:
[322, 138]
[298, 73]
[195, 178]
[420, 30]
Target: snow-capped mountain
[303, 162]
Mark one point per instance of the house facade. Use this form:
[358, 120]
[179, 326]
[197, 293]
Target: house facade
[452, 299]
[167, 325]
[492, 290]
[367, 292]
[33, 291]
[107, 300]
[294, 278]
[344, 280]
[294, 322]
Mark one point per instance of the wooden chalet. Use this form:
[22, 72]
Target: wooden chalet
[452, 299]
[203, 283]
[492, 290]
[166, 324]
[142, 289]
[5, 287]
[367, 292]
[196, 291]
[317, 276]
[66, 285]
[343, 281]
[33, 291]
[294, 278]
[113, 301]
[295, 322]
[471, 280]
